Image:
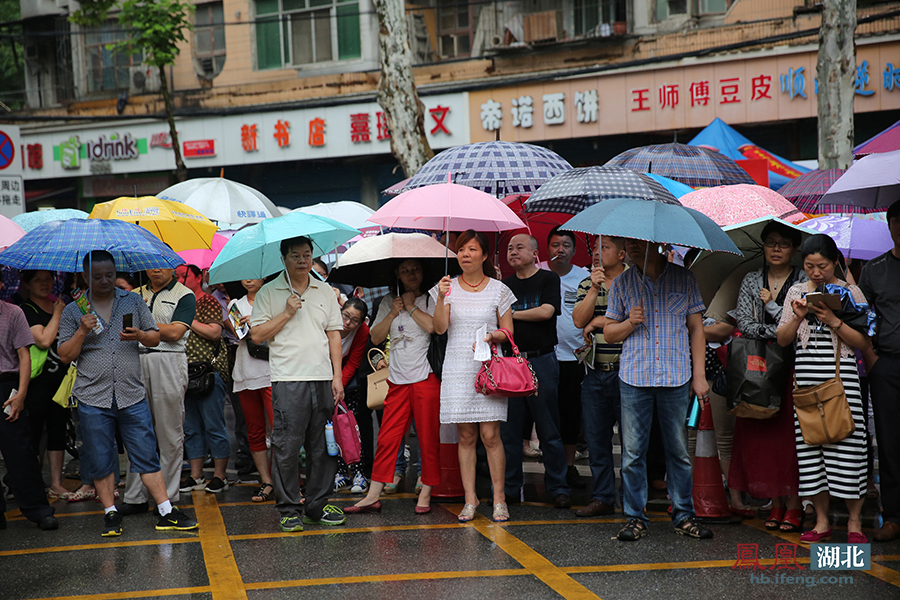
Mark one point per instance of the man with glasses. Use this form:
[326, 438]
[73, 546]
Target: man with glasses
[298, 317]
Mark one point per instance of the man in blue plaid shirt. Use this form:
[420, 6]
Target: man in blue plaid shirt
[657, 316]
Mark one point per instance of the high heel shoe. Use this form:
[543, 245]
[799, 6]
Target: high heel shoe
[793, 521]
[775, 518]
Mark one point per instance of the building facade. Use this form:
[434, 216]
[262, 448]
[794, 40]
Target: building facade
[281, 94]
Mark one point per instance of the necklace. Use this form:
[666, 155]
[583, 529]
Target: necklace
[778, 283]
[463, 279]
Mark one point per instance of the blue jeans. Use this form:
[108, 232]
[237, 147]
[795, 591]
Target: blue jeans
[545, 411]
[98, 425]
[601, 408]
[204, 424]
[637, 414]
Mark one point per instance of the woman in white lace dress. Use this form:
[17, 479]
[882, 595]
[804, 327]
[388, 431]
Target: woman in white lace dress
[462, 306]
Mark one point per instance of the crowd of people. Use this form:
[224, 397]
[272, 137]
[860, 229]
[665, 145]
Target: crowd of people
[626, 346]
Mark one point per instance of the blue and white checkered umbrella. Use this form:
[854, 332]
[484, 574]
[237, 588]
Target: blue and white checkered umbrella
[691, 165]
[574, 190]
[498, 168]
[62, 245]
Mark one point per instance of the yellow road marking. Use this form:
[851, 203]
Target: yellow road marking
[884, 573]
[224, 577]
[98, 546]
[267, 585]
[141, 594]
[554, 577]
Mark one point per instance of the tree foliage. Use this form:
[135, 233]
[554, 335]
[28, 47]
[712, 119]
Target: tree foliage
[156, 26]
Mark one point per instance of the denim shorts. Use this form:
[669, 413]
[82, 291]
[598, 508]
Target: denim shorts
[98, 427]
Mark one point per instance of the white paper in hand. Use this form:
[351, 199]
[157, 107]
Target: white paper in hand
[482, 348]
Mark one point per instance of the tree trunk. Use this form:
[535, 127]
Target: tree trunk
[180, 169]
[835, 70]
[397, 95]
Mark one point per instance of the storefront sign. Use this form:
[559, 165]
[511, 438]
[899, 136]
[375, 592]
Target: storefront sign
[116, 147]
[199, 149]
[759, 89]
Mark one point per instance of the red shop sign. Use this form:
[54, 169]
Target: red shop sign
[199, 148]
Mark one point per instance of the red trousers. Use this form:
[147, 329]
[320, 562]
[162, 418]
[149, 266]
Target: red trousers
[257, 405]
[421, 400]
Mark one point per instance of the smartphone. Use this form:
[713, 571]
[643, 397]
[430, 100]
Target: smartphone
[832, 301]
[127, 320]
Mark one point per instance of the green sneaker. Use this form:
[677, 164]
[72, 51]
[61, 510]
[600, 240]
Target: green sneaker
[331, 515]
[291, 524]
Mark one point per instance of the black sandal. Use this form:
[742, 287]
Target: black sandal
[692, 528]
[262, 494]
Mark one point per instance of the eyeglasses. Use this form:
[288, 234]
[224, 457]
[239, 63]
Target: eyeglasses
[783, 244]
[352, 320]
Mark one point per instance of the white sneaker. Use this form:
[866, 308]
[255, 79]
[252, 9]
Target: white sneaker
[340, 482]
[360, 485]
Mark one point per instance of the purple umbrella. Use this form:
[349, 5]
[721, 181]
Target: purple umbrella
[856, 236]
[873, 181]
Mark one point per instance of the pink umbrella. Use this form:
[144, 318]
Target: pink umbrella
[10, 232]
[204, 257]
[447, 206]
[733, 204]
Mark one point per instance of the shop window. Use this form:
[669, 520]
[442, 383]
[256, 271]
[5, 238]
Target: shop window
[209, 40]
[304, 32]
[108, 70]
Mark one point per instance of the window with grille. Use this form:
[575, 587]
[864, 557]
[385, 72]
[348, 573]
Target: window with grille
[304, 32]
[108, 70]
[209, 39]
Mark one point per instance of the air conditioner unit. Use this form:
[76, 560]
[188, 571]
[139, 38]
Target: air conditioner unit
[143, 79]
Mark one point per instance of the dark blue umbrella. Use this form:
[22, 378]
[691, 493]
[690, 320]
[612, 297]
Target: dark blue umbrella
[62, 245]
[692, 165]
[498, 168]
[655, 222]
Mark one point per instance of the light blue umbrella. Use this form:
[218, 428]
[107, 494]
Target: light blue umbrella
[30, 220]
[62, 245]
[255, 252]
[655, 222]
[677, 188]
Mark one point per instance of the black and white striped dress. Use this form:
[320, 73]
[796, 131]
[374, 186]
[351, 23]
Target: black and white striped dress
[839, 469]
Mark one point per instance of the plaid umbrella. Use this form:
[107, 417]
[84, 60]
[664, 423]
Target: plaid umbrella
[692, 165]
[574, 190]
[498, 168]
[61, 246]
[804, 191]
[30, 220]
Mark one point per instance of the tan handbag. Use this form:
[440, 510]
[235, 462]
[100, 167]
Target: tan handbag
[377, 386]
[822, 410]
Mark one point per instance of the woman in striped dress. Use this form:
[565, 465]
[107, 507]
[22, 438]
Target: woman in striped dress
[837, 470]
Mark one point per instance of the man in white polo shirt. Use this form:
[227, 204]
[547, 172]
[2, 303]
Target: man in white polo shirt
[298, 317]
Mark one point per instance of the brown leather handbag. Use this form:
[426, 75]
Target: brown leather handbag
[822, 410]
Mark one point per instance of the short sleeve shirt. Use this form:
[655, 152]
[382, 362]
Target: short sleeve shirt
[880, 284]
[409, 342]
[14, 334]
[657, 353]
[175, 303]
[108, 365]
[200, 349]
[567, 335]
[299, 351]
[532, 292]
[606, 352]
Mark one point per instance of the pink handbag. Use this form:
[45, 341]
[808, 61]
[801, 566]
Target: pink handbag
[346, 433]
[506, 376]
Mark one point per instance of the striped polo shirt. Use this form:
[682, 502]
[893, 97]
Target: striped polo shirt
[175, 303]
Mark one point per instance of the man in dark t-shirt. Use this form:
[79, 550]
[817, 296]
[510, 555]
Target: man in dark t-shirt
[880, 283]
[534, 316]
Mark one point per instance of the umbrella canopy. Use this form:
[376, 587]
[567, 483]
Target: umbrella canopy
[447, 206]
[30, 220]
[371, 261]
[713, 268]
[655, 222]
[204, 257]
[723, 138]
[574, 190]
[178, 225]
[498, 168]
[222, 200]
[805, 191]
[677, 188]
[855, 236]
[886, 141]
[10, 232]
[255, 252]
[62, 245]
[733, 204]
[873, 182]
[353, 214]
[692, 165]
[396, 188]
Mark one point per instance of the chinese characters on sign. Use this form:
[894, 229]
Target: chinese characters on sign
[160, 140]
[785, 558]
[384, 133]
[11, 192]
[248, 137]
[439, 114]
[845, 557]
[587, 106]
[554, 109]
[35, 154]
[317, 132]
[282, 133]
[359, 128]
[522, 111]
